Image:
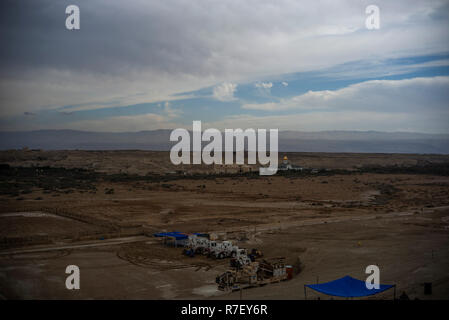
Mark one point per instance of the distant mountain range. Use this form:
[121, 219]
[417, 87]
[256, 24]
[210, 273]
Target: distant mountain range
[289, 141]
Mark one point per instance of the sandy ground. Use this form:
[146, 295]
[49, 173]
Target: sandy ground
[414, 253]
[336, 225]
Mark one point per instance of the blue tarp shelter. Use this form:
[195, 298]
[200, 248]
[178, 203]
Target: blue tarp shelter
[179, 238]
[179, 235]
[175, 234]
[347, 287]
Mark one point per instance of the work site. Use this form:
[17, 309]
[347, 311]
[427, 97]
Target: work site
[139, 227]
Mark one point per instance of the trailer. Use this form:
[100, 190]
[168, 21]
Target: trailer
[254, 274]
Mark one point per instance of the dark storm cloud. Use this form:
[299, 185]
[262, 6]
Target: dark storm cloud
[185, 37]
[113, 38]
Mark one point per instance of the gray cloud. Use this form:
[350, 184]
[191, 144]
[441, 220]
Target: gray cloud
[141, 51]
[201, 37]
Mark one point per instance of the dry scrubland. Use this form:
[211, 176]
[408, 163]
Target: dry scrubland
[96, 208]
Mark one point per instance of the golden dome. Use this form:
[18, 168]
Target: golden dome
[285, 158]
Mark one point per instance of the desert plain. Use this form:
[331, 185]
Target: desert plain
[99, 210]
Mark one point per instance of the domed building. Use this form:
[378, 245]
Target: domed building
[286, 165]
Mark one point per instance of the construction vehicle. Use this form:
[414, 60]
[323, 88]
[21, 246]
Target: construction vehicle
[221, 250]
[255, 254]
[198, 244]
[238, 278]
[226, 280]
[241, 259]
[253, 274]
[202, 245]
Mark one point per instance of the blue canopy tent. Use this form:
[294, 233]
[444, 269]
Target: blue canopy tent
[175, 234]
[347, 287]
[179, 238]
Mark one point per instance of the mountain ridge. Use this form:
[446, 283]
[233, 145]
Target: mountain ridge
[289, 141]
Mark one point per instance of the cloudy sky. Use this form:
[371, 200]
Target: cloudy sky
[288, 64]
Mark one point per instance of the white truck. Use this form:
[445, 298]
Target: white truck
[198, 244]
[241, 259]
[223, 249]
[217, 249]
